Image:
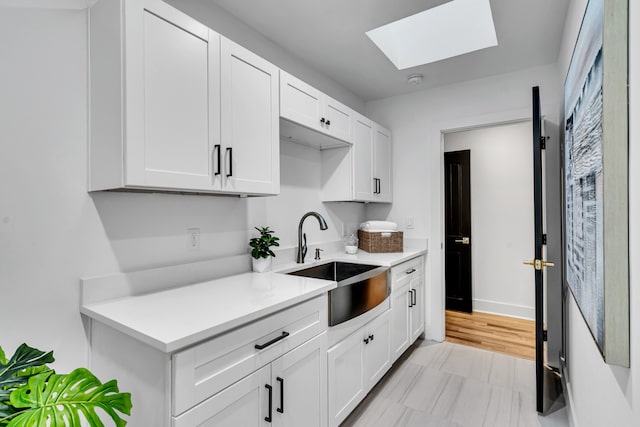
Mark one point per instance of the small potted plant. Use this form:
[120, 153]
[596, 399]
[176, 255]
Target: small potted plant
[260, 249]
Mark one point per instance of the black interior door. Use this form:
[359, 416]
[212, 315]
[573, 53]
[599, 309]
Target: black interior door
[548, 387]
[457, 170]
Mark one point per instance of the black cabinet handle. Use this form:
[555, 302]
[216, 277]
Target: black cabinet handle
[410, 298]
[322, 120]
[230, 152]
[376, 183]
[414, 297]
[379, 186]
[411, 271]
[371, 337]
[281, 408]
[273, 341]
[328, 122]
[366, 340]
[268, 418]
[216, 149]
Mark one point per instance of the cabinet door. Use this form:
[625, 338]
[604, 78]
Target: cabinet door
[417, 312]
[172, 98]
[250, 129]
[299, 102]
[382, 166]
[346, 386]
[362, 151]
[244, 403]
[377, 352]
[299, 380]
[338, 119]
[400, 301]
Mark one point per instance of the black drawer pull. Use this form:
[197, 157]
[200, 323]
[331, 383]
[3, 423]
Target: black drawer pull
[273, 341]
[281, 408]
[371, 337]
[413, 270]
[410, 298]
[414, 297]
[268, 418]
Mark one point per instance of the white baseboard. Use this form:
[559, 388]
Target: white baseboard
[568, 399]
[502, 309]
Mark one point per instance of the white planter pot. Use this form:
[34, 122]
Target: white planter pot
[260, 265]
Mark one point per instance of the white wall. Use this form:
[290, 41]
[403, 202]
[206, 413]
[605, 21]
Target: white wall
[501, 216]
[52, 232]
[601, 394]
[416, 121]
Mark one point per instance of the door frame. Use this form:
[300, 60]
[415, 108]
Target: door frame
[435, 324]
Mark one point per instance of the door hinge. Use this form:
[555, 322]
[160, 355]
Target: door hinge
[544, 239]
[544, 335]
[543, 142]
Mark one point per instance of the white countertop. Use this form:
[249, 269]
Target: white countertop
[173, 319]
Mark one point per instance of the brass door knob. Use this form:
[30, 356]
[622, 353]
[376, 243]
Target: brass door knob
[538, 263]
[464, 240]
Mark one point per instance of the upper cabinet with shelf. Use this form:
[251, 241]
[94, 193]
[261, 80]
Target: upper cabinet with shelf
[361, 173]
[303, 105]
[176, 107]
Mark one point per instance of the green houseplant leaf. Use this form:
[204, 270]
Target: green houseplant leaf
[58, 400]
[26, 362]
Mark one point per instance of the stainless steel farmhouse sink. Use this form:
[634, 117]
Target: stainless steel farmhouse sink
[361, 287]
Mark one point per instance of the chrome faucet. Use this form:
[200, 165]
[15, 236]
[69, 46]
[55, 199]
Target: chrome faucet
[302, 237]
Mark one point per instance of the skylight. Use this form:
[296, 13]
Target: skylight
[445, 31]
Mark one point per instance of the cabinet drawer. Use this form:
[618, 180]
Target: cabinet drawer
[406, 270]
[203, 370]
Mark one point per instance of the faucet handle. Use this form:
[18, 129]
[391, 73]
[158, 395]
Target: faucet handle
[317, 258]
[304, 246]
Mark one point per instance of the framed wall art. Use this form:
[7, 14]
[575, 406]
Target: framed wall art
[596, 177]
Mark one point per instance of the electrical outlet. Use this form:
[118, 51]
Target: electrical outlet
[410, 222]
[193, 239]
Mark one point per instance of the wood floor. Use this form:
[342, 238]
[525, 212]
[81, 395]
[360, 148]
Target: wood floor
[502, 334]
[452, 385]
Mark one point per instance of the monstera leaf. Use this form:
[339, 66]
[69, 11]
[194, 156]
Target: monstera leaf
[59, 400]
[26, 362]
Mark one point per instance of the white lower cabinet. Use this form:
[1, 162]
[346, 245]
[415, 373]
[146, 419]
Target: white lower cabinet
[241, 404]
[290, 391]
[407, 305]
[400, 301]
[355, 365]
[272, 368]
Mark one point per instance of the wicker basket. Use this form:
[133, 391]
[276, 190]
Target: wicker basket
[377, 242]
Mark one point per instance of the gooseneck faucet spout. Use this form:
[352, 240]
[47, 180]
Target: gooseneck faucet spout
[302, 238]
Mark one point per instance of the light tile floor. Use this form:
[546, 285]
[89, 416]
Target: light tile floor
[446, 384]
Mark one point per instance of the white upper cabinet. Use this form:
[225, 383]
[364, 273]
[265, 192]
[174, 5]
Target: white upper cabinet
[249, 155]
[363, 159]
[299, 102]
[362, 172]
[382, 164]
[338, 119]
[304, 105]
[156, 98]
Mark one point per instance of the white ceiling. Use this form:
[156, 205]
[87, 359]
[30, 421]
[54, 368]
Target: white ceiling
[329, 35]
